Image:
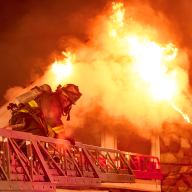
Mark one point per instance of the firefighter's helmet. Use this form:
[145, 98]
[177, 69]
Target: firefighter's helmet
[45, 88]
[71, 91]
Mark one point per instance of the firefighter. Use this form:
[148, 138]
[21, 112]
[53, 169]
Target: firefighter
[40, 110]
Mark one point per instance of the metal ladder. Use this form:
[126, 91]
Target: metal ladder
[30, 163]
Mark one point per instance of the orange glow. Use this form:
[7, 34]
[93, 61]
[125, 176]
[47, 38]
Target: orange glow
[118, 15]
[128, 62]
[149, 62]
[150, 59]
[62, 68]
[117, 18]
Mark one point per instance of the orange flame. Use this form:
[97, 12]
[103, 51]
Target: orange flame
[117, 18]
[62, 68]
[151, 61]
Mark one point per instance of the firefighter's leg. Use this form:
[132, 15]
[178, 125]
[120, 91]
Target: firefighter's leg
[30, 125]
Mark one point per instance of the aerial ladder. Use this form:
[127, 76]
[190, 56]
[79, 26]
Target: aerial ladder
[31, 163]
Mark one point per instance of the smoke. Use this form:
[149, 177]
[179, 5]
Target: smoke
[32, 30]
[103, 66]
[179, 15]
[106, 78]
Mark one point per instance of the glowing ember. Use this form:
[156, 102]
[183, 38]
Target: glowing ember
[62, 68]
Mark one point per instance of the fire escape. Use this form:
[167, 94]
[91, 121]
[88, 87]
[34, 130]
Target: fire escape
[40, 164]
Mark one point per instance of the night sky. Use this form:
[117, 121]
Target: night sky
[32, 30]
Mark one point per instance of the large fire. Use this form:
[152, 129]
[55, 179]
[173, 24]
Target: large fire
[124, 48]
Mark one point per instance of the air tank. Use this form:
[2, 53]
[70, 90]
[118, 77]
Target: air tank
[32, 94]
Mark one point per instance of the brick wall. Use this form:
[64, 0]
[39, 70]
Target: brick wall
[176, 158]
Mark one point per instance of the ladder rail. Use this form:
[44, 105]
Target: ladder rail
[45, 163]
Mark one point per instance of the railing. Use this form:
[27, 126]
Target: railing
[35, 163]
[144, 166]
